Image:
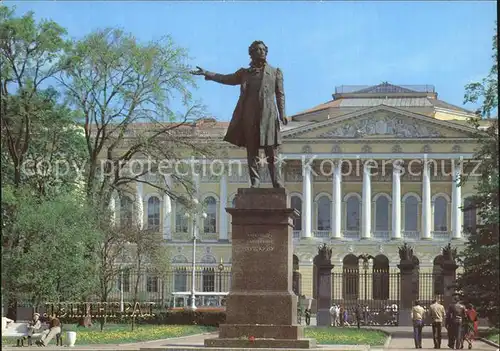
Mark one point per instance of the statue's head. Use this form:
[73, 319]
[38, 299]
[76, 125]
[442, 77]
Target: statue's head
[258, 51]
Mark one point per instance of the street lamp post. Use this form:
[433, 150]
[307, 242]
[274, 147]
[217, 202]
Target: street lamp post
[221, 268]
[122, 261]
[193, 273]
[121, 290]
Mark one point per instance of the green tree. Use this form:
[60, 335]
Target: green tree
[480, 279]
[121, 90]
[51, 261]
[43, 156]
[29, 53]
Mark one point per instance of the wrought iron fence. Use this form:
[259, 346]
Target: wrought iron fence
[144, 286]
[377, 293]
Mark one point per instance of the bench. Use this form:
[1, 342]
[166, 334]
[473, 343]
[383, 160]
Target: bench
[19, 331]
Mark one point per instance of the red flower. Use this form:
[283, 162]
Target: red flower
[251, 338]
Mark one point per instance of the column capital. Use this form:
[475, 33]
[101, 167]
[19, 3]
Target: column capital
[369, 163]
[337, 162]
[398, 163]
[427, 162]
[397, 171]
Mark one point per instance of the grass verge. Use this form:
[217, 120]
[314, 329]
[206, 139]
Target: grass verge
[122, 333]
[345, 336]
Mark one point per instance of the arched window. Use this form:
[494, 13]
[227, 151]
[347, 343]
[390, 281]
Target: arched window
[352, 213]
[382, 214]
[153, 213]
[181, 221]
[324, 213]
[438, 277]
[440, 214]
[126, 211]
[234, 202]
[380, 281]
[411, 213]
[296, 203]
[350, 270]
[210, 225]
[470, 215]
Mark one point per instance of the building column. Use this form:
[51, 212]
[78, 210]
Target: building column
[396, 202]
[456, 202]
[425, 230]
[337, 200]
[139, 206]
[366, 202]
[222, 208]
[306, 200]
[167, 210]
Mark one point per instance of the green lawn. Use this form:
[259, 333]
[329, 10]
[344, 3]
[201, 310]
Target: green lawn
[491, 334]
[346, 336]
[494, 337]
[122, 334]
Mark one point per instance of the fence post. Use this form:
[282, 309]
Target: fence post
[324, 281]
[406, 268]
[449, 276]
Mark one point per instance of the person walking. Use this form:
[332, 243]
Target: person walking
[457, 315]
[470, 325]
[357, 313]
[417, 316]
[308, 316]
[437, 314]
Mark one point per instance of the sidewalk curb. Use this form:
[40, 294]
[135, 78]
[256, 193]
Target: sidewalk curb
[386, 344]
[489, 342]
[389, 336]
[164, 340]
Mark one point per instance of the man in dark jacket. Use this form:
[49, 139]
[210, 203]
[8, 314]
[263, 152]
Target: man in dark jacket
[357, 313]
[456, 314]
[255, 121]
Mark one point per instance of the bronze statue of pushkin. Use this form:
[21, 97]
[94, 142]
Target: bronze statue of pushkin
[255, 123]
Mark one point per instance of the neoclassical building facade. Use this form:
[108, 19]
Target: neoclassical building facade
[368, 170]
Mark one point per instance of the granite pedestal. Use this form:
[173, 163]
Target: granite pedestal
[261, 305]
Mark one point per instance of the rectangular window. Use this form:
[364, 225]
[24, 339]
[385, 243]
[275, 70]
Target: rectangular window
[208, 280]
[152, 284]
[126, 281]
[180, 280]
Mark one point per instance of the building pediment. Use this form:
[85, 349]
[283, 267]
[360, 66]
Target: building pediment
[380, 122]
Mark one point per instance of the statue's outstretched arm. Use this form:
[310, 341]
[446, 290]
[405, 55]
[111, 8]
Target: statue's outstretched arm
[227, 79]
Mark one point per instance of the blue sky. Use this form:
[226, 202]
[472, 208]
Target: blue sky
[318, 45]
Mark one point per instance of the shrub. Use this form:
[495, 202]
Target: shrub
[204, 317]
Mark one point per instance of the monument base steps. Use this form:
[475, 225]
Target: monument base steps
[261, 343]
[250, 348]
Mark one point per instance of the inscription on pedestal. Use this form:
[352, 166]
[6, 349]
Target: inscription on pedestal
[258, 242]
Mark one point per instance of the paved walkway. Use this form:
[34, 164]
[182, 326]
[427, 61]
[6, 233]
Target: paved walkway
[402, 339]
